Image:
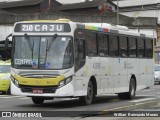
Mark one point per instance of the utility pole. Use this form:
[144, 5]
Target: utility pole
[117, 13]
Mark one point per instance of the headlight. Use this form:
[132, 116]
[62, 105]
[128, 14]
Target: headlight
[6, 77]
[15, 81]
[65, 82]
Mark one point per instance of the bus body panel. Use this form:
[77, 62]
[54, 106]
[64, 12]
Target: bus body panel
[112, 74]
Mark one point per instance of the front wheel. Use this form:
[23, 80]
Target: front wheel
[87, 100]
[37, 100]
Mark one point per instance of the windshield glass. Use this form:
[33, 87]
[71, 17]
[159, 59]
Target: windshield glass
[42, 52]
[157, 68]
[5, 68]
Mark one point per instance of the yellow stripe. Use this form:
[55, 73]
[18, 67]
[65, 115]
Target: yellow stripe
[125, 107]
[59, 20]
[88, 27]
[40, 21]
[39, 81]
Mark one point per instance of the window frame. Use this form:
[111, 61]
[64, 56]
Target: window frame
[127, 56]
[110, 45]
[135, 38]
[87, 45]
[144, 50]
[107, 36]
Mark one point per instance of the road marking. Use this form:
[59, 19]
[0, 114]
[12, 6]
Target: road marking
[114, 100]
[25, 98]
[145, 99]
[65, 99]
[145, 95]
[10, 96]
[148, 89]
[125, 107]
[3, 95]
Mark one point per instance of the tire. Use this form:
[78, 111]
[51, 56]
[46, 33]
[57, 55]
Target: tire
[87, 100]
[132, 91]
[37, 100]
[3, 93]
[9, 90]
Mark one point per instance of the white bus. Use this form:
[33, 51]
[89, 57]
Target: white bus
[61, 58]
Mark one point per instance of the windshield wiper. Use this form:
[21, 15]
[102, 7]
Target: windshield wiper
[29, 41]
[52, 41]
[48, 47]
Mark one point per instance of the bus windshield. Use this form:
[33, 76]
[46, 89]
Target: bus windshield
[42, 52]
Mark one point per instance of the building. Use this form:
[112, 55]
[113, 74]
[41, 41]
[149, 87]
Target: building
[88, 11]
[96, 7]
[147, 9]
[30, 6]
[142, 8]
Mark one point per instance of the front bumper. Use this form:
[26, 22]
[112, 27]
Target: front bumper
[156, 79]
[65, 91]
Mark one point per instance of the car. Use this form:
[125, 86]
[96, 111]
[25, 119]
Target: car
[5, 76]
[157, 73]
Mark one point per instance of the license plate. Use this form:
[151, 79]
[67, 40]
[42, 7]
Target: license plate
[37, 91]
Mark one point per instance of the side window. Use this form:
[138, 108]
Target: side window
[141, 49]
[79, 48]
[113, 45]
[103, 44]
[123, 46]
[92, 44]
[149, 48]
[132, 47]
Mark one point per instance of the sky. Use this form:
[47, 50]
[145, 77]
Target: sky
[61, 1]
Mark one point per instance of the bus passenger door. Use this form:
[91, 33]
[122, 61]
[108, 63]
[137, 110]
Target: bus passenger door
[119, 51]
[106, 75]
[80, 58]
[120, 75]
[106, 71]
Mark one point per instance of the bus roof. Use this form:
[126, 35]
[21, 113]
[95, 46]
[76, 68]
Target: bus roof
[102, 27]
[45, 21]
[105, 27]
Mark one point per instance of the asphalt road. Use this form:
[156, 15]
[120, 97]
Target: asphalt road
[73, 109]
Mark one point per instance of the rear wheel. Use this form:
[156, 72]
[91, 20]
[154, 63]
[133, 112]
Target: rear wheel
[131, 93]
[87, 100]
[37, 100]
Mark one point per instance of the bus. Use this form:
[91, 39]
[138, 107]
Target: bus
[60, 58]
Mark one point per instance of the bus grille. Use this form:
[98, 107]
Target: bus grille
[29, 89]
[38, 74]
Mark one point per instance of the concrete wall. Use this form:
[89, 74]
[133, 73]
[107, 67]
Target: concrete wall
[5, 30]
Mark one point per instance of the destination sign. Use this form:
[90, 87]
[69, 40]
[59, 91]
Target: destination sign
[42, 27]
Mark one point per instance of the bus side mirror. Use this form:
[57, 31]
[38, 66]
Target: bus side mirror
[7, 41]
